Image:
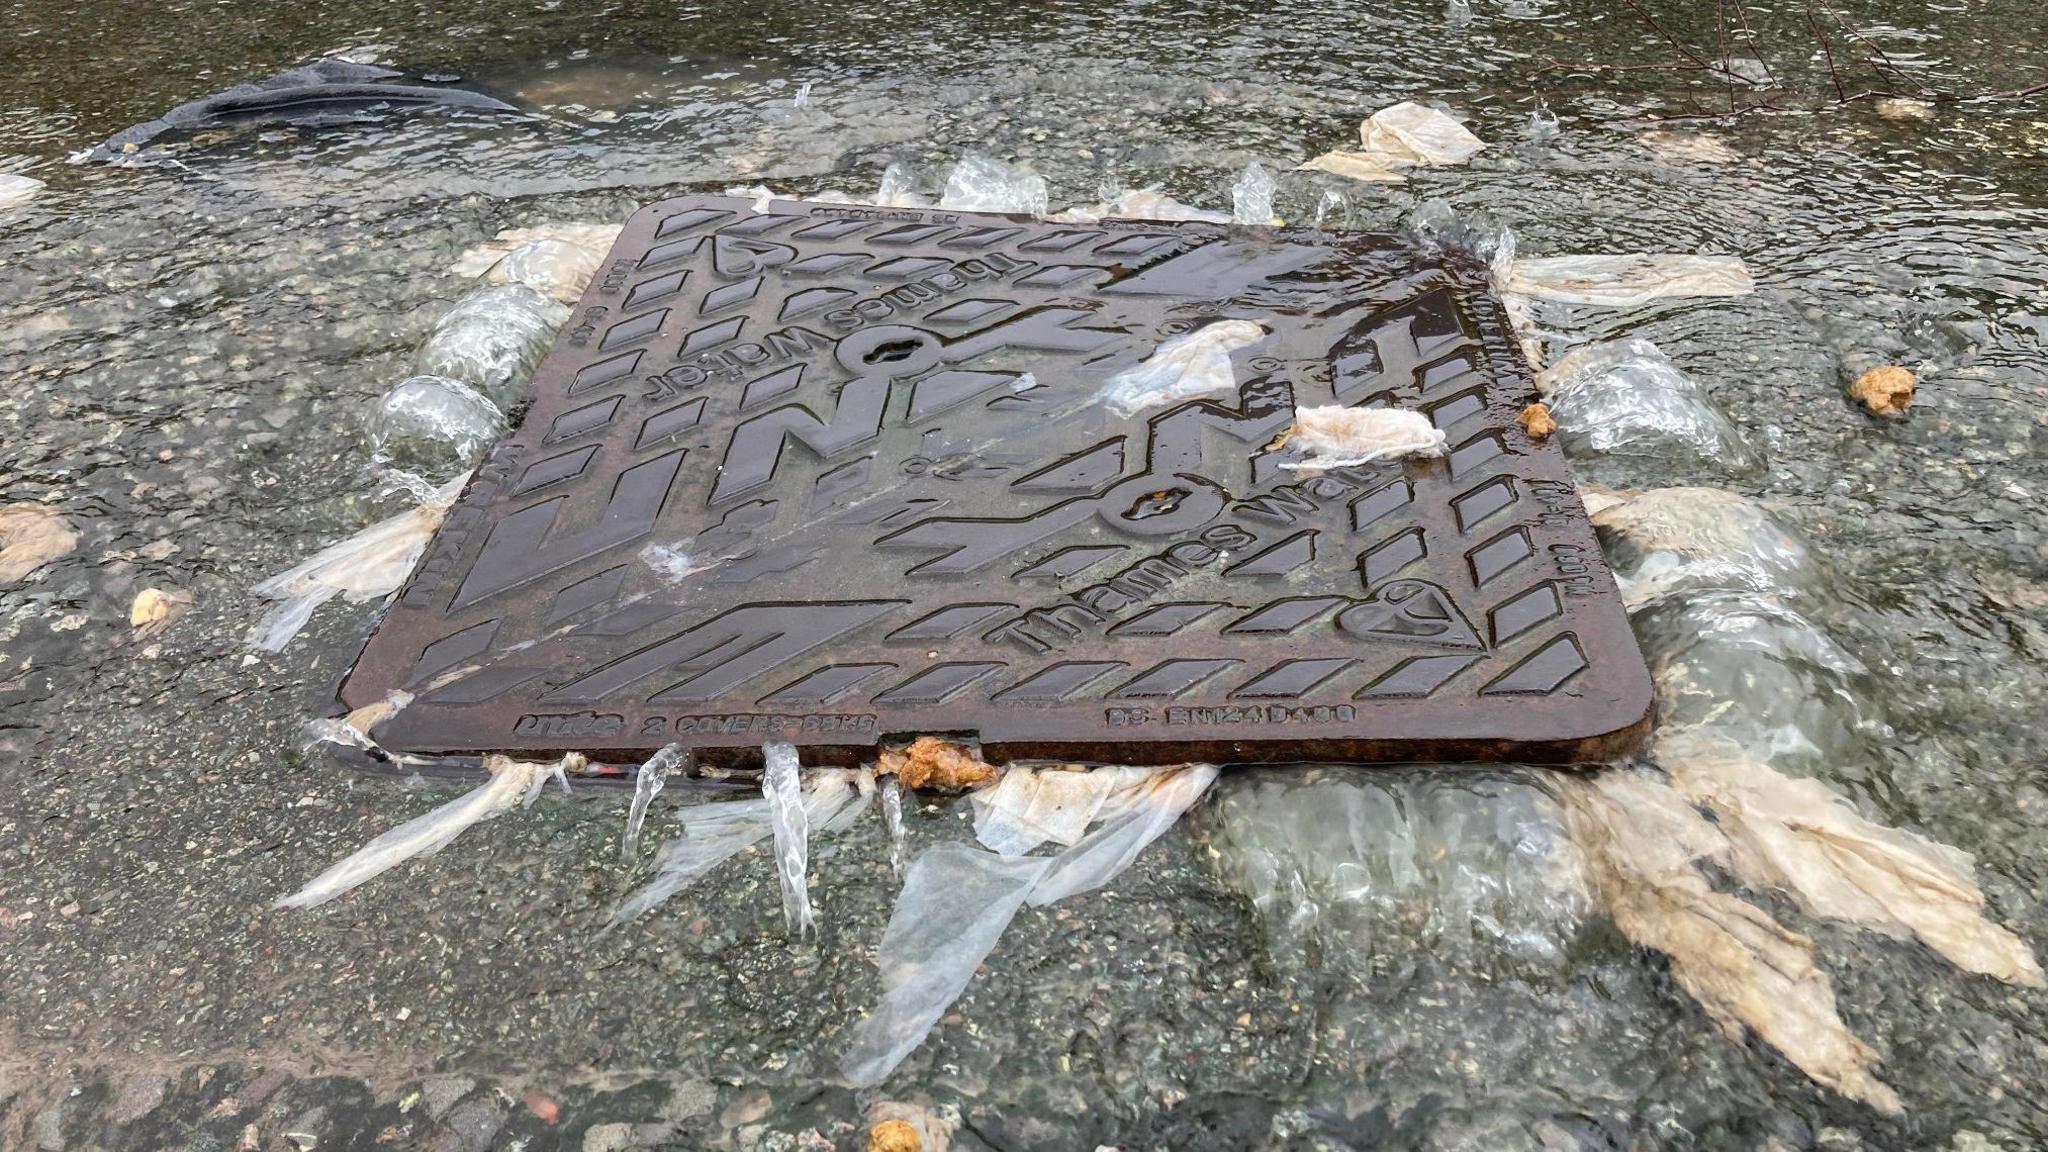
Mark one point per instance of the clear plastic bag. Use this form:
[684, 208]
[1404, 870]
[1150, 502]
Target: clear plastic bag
[424, 420]
[555, 259]
[492, 340]
[984, 184]
[1642, 844]
[1139, 204]
[1417, 134]
[1678, 541]
[781, 784]
[1356, 870]
[1746, 666]
[1628, 398]
[955, 904]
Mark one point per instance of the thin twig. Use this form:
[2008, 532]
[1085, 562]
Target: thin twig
[1827, 47]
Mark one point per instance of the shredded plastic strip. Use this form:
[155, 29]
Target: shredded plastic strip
[833, 798]
[511, 780]
[647, 784]
[792, 829]
[958, 899]
[1800, 837]
[1641, 843]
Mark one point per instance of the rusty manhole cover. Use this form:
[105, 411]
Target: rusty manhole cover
[839, 474]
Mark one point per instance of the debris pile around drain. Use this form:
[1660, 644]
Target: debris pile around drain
[1748, 688]
[956, 899]
[1335, 436]
[1751, 692]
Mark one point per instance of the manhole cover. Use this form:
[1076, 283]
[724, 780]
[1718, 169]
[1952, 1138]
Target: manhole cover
[838, 474]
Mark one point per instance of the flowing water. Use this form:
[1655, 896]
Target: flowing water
[193, 346]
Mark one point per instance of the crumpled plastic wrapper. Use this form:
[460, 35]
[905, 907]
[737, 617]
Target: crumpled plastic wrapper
[1405, 135]
[1335, 436]
[1196, 363]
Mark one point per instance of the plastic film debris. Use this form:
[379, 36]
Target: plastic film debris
[958, 899]
[779, 783]
[1641, 842]
[1405, 135]
[1251, 197]
[1335, 436]
[648, 782]
[833, 798]
[1629, 398]
[510, 781]
[1622, 281]
[1800, 837]
[984, 184]
[1196, 363]
[371, 564]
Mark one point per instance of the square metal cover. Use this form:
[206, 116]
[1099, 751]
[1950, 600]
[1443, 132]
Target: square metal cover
[837, 475]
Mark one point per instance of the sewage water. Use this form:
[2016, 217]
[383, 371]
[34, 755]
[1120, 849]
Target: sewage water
[194, 344]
